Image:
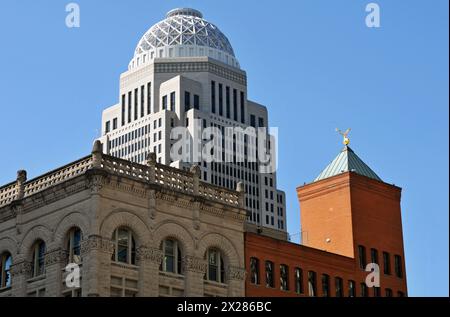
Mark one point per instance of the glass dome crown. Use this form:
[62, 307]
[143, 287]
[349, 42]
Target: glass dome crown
[183, 33]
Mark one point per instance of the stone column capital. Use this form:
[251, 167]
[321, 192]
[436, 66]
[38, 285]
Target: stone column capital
[149, 253]
[195, 264]
[236, 273]
[97, 243]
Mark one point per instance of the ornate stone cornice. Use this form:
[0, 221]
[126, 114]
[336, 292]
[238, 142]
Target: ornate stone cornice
[95, 180]
[152, 254]
[97, 243]
[236, 273]
[21, 268]
[194, 264]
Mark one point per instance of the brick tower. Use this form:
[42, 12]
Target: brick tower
[349, 210]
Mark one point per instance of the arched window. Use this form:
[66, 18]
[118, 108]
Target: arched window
[124, 246]
[216, 267]
[172, 256]
[38, 261]
[74, 245]
[254, 271]
[5, 270]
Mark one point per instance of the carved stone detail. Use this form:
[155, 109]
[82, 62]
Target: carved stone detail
[21, 268]
[236, 273]
[152, 254]
[195, 264]
[97, 243]
[54, 257]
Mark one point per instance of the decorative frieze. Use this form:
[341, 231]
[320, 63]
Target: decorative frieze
[54, 256]
[147, 253]
[194, 264]
[236, 273]
[97, 243]
[21, 268]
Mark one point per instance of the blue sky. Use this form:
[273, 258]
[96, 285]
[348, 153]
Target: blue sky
[313, 63]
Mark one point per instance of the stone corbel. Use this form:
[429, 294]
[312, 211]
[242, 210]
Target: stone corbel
[21, 268]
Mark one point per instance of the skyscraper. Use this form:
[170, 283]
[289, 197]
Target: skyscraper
[184, 73]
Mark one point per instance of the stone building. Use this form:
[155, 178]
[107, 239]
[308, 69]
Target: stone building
[133, 229]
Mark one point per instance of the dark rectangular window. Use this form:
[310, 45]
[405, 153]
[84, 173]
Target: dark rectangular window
[123, 110]
[142, 101]
[197, 102]
[260, 122]
[235, 109]
[398, 266]
[339, 286]
[376, 292]
[298, 280]
[374, 255]
[149, 98]
[114, 123]
[312, 283]
[386, 263]
[107, 126]
[164, 102]
[227, 102]
[284, 277]
[388, 292]
[172, 101]
[187, 100]
[136, 104]
[242, 107]
[364, 292]
[325, 285]
[269, 274]
[253, 120]
[362, 257]
[220, 100]
[351, 289]
[129, 105]
[254, 269]
[213, 96]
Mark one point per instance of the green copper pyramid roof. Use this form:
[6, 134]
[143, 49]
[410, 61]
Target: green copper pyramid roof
[347, 161]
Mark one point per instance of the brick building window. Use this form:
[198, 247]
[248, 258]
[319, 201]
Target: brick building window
[254, 271]
[362, 257]
[269, 274]
[339, 286]
[298, 280]
[5, 270]
[388, 292]
[376, 292]
[351, 289]
[216, 267]
[124, 246]
[74, 245]
[312, 283]
[172, 256]
[38, 261]
[374, 255]
[364, 291]
[284, 277]
[325, 285]
[386, 263]
[398, 266]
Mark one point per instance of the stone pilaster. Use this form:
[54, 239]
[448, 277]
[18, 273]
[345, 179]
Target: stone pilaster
[53, 274]
[149, 261]
[194, 271]
[96, 271]
[20, 272]
[236, 281]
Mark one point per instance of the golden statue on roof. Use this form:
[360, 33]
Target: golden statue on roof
[345, 135]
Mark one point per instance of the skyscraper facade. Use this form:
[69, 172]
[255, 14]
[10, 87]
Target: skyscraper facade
[184, 73]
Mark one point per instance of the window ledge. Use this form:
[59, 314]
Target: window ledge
[36, 278]
[172, 275]
[125, 265]
[5, 289]
[216, 284]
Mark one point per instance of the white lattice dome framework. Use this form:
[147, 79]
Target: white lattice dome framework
[184, 33]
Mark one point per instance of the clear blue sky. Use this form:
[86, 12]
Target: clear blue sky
[313, 63]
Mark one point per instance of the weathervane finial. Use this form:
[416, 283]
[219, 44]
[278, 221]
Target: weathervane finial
[345, 135]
